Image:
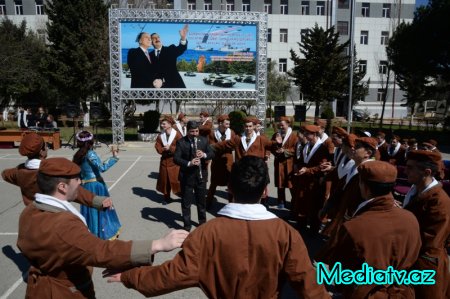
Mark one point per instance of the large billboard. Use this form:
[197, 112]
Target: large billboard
[212, 56]
[202, 56]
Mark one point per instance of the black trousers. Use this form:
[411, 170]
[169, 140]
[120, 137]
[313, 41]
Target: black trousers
[193, 189]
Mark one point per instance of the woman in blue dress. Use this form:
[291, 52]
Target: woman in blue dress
[103, 223]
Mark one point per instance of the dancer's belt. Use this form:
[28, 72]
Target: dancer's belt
[92, 180]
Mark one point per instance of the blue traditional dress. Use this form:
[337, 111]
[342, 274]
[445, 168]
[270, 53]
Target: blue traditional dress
[103, 223]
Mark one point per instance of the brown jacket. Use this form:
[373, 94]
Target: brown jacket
[205, 129]
[257, 149]
[221, 163]
[381, 235]
[284, 162]
[61, 251]
[168, 170]
[26, 179]
[229, 265]
[432, 209]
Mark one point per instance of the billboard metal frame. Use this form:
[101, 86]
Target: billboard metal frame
[120, 96]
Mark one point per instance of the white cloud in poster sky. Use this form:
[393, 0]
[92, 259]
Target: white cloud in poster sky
[242, 36]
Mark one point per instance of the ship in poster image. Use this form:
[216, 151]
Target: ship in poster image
[229, 48]
[202, 48]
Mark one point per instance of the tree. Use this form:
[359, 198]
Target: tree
[420, 53]
[278, 86]
[20, 57]
[322, 75]
[78, 55]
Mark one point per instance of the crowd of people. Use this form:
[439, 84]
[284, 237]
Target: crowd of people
[341, 189]
[27, 119]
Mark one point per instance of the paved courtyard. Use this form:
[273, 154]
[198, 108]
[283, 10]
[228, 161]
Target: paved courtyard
[132, 183]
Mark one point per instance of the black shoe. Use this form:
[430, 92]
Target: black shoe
[187, 228]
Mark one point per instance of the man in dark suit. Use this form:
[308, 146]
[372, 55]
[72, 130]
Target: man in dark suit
[165, 60]
[140, 64]
[41, 117]
[191, 154]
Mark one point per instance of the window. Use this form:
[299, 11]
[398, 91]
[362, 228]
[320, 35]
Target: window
[343, 4]
[268, 6]
[342, 27]
[386, 10]
[114, 5]
[303, 32]
[363, 66]
[2, 8]
[246, 5]
[364, 38]
[383, 67]
[191, 5]
[380, 94]
[207, 5]
[365, 9]
[320, 8]
[39, 7]
[283, 35]
[384, 37]
[282, 65]
[284, 7]
[18, 7]
[269, 35]
[229, 6]
[130, 5]
[305, 8]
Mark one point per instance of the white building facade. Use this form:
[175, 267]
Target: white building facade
[374, 23]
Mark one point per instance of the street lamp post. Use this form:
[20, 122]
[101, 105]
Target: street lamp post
[352, 54]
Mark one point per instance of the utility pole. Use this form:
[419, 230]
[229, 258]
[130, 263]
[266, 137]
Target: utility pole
[352, 54]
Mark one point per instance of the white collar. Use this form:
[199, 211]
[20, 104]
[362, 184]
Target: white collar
[144, 50]
[244, 143]
[381, 144]
[288, 134]
[354, 171]
[205, 121]
[324, 137]
[397, 147]
[306, 157]
[362, 205]
[246, 211]
[181, 128]
[344, 167]
[413, 191]
[164, 140]
[218, 135]
[32, 163]
[61, 204]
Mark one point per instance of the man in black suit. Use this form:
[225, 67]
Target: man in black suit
[41, 117]
[165, 60]
[191, 154]
[140, 64]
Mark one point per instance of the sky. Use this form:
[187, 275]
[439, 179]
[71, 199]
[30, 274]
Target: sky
[239, 36]
[421, 2]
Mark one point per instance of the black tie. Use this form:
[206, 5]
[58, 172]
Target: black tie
[223, 137]
[157, 53]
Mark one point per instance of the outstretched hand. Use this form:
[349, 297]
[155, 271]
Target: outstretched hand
[113, 275]
[173, 239]
[184, 32]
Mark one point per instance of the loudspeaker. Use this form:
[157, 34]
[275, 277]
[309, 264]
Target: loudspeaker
[300, 113]
[279, 111]
[95, 110]
[72, 110]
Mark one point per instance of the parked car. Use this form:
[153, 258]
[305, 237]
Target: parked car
[190, 74]
[360, 115]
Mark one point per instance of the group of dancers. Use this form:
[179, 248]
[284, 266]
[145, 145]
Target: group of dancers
[338, 184]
